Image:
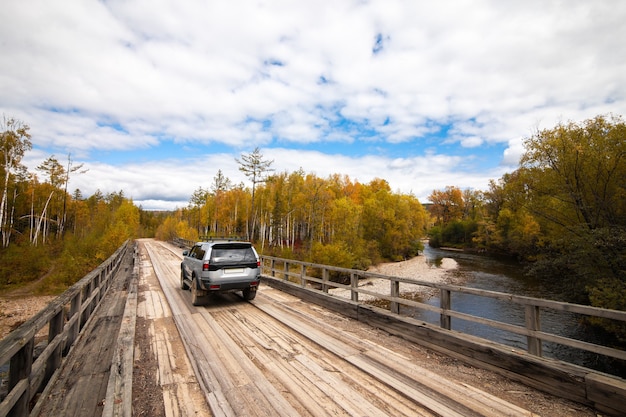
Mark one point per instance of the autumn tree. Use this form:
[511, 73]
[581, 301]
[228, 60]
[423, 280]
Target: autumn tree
[393, 224]
[447, 204]
[196, 211]
[71, 168]
[577, 173]
[575, 181]
[255, 168]
[333, 220]
[220, 185]
[50, 212]
[457, 215]
[14, 142]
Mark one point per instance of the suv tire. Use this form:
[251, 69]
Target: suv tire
[249, 294]
[183, 284]
[197, 296]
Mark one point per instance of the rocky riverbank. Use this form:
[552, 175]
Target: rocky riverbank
[418, 268]
[16, 310]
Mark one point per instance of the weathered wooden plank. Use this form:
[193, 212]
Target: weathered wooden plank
[211, 376]
[469, 399]
[13, 397]
[333, 388]
[298, 386]
[607, 393]
[180, 392]
[251, 387]
[422, 386]
[40, 366]
[120, 383]
[347, 307]
[551, 376]
[219, 404]
[316, 394]
[554, 377]
[79, 387]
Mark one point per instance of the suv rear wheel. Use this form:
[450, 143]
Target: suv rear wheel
[249, 293]
[198, 297]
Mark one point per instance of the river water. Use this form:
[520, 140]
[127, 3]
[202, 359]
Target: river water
[478, 271]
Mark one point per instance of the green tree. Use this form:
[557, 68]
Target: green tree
[575, 181]
[393, 223]
[577, 173]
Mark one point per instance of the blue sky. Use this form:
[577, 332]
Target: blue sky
[155, 96]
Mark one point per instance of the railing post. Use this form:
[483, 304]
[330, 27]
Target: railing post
[273, 268]
[286, 271]
[325, 280]
[302, 276]
[73, 331]
[85, 293]
[20, 367]
[533, 322]
[55, 328]
[394, 307]
[97, 280]
[90, 306]
[446, 304]
[354, 283]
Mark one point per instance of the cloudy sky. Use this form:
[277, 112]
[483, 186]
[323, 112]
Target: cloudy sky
[155, 96]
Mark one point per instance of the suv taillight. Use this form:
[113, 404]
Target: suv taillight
[258, 263]
[205, 266]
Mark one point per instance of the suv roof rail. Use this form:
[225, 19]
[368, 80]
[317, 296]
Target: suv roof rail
[222, 238]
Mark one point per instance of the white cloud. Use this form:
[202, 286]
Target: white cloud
[116, 76]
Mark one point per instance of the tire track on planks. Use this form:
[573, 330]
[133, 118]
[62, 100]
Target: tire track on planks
[440, 395]
[323, 378]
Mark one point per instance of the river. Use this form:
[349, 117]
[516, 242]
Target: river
[484, 272]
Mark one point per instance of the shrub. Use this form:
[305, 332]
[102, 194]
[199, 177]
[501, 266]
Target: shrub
[20, 265]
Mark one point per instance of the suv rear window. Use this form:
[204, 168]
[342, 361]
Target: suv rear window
[232, 254]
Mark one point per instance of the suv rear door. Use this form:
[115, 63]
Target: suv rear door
[232, 255]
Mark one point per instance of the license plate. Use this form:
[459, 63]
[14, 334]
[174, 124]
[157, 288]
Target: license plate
[233, 271]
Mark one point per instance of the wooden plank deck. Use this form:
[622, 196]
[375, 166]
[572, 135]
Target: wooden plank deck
[277, 355]
[79, 387]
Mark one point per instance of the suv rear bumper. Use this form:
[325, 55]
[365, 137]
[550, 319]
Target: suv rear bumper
[229, 286]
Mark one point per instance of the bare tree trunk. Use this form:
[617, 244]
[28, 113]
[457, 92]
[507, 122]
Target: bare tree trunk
[11, 217]
[3, 212]
[43, 215]
[32, 215]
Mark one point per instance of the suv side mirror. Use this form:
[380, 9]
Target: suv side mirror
[185, 253]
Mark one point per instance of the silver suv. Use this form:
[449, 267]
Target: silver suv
[220, 266]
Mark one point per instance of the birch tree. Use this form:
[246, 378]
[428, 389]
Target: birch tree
[255, 168]
[14, 142]
[220, 185]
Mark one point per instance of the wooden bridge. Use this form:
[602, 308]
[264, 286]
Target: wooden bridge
[125, 340]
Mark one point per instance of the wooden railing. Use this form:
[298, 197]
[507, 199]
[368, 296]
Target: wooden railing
[391, 309]
[64, 318]
[316, 277]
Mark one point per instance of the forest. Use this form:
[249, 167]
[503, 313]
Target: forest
[561, 213]
[50, 237]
